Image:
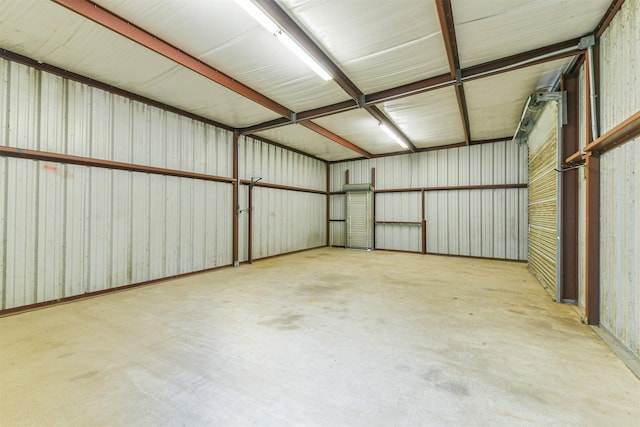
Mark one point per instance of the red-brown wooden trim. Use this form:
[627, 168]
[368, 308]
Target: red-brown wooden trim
[328, 204]
[106, 164]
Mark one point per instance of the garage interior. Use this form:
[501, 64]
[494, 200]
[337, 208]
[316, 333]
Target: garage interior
[319, 212]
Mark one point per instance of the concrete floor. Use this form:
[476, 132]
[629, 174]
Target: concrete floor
[327, 337]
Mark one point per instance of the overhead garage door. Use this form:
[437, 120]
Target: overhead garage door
[359, 224]
[543, 198]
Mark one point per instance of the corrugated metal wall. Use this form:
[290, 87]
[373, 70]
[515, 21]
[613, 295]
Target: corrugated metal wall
[486, 222]
[620, 181]
[543, 198]
[283, 220]
[69, 229]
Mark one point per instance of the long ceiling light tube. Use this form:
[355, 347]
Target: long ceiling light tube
[264, 20]
[393, 135]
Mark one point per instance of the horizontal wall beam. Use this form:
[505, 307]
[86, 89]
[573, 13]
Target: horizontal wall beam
[282, 187]
[453, 188]
[622, 133]
[106, 164]
[14, 57]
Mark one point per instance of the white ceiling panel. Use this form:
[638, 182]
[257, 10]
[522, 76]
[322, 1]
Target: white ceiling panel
[379, 44]
[302, 139]
[223, 35]
[361, 128]
[495, 103]
[428, 119]
[49, 33]
[490, 30]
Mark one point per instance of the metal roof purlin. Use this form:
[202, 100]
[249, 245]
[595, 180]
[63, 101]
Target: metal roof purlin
[113, 22]
[301, 37]
[126, 29]
[503, 65]
[332, 136]
[447, 27]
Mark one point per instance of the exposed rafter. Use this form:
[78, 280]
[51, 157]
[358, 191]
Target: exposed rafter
[510, 63]
[114, 23]
[336, 138]
[447, 27]
[608, 16]
[300, 36]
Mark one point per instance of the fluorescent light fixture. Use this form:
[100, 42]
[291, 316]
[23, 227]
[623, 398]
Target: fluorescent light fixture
[264, 20]
[393, 135]
[304, 56]
[258, 15]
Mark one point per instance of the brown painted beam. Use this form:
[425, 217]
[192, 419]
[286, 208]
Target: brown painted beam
[136, 34]
[336, 138]
[328, 204]
[448, 30]
[263, 184]
[452, 187]
[592, 247]
[570, 181]
[608, 17]
[20, 59]
[525, 59]
[620, 134]
[235, 201]
[106, 164]
[382, 118]
[285, 22]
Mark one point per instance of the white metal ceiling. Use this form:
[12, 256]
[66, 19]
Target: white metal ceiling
[378, 44]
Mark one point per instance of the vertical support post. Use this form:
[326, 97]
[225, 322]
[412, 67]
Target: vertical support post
[328, 188]
[592, 273]
[570, 181]
[234, 202]
[423, 224]
[346, 176]
[373, 184]
[250, 225]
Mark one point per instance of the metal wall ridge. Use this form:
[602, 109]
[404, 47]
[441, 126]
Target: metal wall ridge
[451, 188]
[106, 164]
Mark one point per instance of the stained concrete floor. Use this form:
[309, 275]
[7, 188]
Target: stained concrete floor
[327, 337]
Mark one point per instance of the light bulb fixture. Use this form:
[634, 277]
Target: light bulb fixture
[266, 21]
[393, 135]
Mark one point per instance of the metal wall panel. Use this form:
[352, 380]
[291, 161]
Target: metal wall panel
[68, 229]
[620, 244]
[286, 221]
[48, 113]
[283, 220]
[72, 229]
[279, 166]
[487, 223]
[620, 181]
